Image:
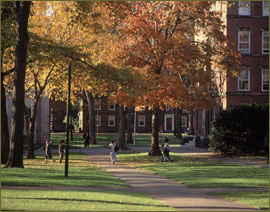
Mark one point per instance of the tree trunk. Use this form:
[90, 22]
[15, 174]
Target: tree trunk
[4, 126]
[92, 119]
[15, 158]
[155, 150]
[178, 123]
[130, 118]
[31, 134]
[207, 123]
[191, 123]
[122, 128]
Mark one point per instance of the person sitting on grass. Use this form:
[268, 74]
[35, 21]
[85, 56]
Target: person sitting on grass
[48, 152]
[166, 151]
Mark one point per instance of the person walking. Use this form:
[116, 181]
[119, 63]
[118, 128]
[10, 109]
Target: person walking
[86, 140]
[113, 148]
[61, 151]
[166, 151]
[48, 152]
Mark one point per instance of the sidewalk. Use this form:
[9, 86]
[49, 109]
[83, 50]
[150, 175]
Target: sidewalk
[165, 190]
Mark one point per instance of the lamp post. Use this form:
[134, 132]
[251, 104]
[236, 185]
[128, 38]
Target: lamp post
[67, 124]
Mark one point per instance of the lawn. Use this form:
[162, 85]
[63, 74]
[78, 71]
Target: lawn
[103, 140]
[72, 200]
[197, 174]
[81, 173]
[258, 199]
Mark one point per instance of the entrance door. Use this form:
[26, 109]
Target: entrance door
[169, 122]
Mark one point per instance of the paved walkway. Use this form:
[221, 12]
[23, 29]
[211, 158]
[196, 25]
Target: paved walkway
[165, 190]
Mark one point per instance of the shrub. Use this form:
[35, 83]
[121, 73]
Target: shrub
[241, 129]
[202, 143]
[186, 140]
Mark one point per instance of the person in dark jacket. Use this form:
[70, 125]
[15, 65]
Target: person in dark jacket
[61, 151]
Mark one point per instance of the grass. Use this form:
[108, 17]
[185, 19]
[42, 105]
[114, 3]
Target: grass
[197, 174]
[43, 200]
[258, 199]
[81, 173]
[103, 140]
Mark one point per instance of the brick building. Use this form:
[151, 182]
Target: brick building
[107, 118]
[57, 115]
[247, 25]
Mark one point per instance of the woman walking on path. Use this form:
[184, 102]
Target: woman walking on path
[113, 149]
[166, 151]
[48, 152]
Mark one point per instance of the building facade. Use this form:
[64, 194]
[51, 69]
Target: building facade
[248, 26]
[107, 118]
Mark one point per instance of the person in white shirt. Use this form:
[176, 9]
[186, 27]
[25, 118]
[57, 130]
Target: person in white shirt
[112, 146]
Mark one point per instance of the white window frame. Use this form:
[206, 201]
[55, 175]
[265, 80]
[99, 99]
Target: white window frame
[203, 119]
[168, 108]
[264, 12]
[265, 51]
[263, 70]
[241, 8]
[110, 103]
[244, 69]
[111, 118]
[139, 121]
[244, 51]
[98, 121]
[184, 120]
[97, 102]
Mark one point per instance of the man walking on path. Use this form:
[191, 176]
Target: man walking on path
[112, 149]
[61, 150]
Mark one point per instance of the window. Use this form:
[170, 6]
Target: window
[244, 8]
[168, 108]
[244, 41]
[111, 105]
[203, 119]
[184, 121]
[141, 121]
[265, 42]
[243, 80]
[111, 121]
[97, 104]
[265, 7]
[143, 108]
[265, 80]
[98, 121]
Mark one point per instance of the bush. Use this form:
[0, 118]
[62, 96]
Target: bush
[201, 143]
[186, 140]
[241, 129]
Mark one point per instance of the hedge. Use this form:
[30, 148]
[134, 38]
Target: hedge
[241, 129]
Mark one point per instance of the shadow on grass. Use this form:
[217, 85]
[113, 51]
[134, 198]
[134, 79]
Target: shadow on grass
[86, 200]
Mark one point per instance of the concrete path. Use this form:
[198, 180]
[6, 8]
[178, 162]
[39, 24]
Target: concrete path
[165, 190]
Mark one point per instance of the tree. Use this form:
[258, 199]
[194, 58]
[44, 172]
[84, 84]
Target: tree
[161, 40]
[8, 39]
[15, 158]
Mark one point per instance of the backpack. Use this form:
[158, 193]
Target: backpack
[116, 148]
